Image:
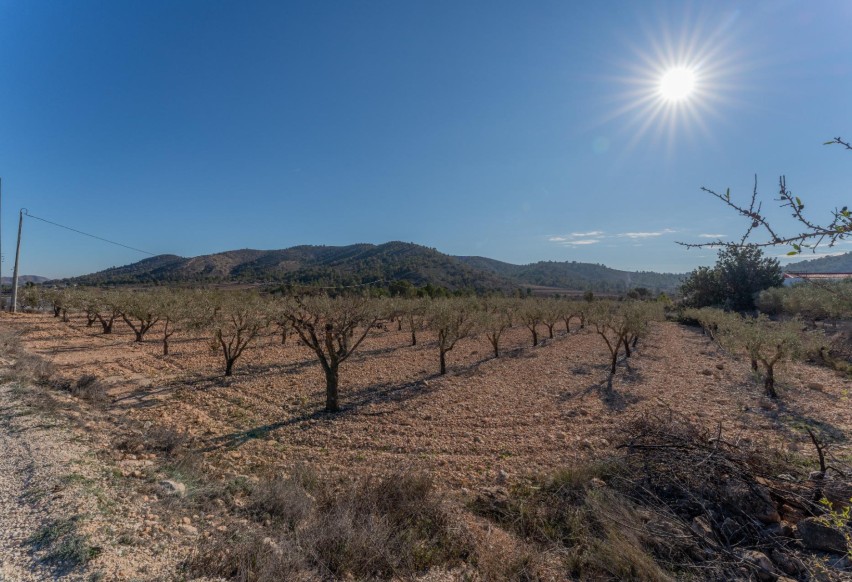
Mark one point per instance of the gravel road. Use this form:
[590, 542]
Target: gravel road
[32, 458]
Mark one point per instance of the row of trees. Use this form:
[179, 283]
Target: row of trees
[765, 342]
[334, 328]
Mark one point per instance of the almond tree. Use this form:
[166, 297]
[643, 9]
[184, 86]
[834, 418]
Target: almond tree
[328, 326]
[571, 310]
[414, 313]
[639, 315]
[139, 311]
[769, 343]
[451, 320]
[107, 309]
[59, 300]
[180, 310]
[552, 311]
[531, 314]
[87, 301]
[609, 321]
[236, 319]
[494, 322]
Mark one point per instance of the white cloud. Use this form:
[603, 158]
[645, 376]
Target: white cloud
[596, 233]
[713, 235]
[635, 235]
[587, 241]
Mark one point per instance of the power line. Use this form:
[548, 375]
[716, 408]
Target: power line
[112, 242]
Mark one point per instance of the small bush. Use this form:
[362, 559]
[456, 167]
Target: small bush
[284, 499]
[89, 388]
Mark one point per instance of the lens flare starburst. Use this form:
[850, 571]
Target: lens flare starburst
[676, 79]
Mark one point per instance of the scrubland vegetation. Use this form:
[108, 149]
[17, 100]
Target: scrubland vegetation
[665, 491]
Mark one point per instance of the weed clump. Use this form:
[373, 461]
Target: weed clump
[379, 528]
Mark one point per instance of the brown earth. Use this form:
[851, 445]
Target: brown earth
[526, 413]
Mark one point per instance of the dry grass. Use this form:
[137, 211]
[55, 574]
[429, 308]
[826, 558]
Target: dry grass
[396, 526]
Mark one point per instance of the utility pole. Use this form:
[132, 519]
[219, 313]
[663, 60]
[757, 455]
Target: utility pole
[2, 305]
[17, 258]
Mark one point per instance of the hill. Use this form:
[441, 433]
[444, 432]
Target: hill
[307, 265]
[367, 263]
[24, 279]
[574, 275]
[835, 264]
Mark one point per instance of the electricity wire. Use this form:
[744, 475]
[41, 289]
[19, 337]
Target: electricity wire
[112, 242]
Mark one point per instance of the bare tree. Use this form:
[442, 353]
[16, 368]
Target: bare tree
[494, 321]
[108, 309]
[552, 311]
[139, 311]
[767, 342]
[414, 313]
[328, 326]
[180, 310]
[610, 323]
[571, 310]
[236, 319]
[451, 320]
[531, 312]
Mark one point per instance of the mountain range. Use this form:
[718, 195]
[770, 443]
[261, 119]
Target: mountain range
[360, 264]
[381, 265]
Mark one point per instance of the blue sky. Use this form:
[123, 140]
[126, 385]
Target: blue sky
[520, 131]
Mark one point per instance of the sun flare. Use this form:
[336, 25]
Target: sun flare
[677, 84]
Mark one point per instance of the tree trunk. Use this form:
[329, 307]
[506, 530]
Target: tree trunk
[614, 360]
[229, 366]
[399, 324]
[283, 337]
[413, 338]
[769, 382]
[331, 380]
[107, 327]
[535, 336]
[550, 330]
[753, 365]
[139, 335]
[165, 346]
[90, 321]
[626, 343]
[443, 362]
[56, 311]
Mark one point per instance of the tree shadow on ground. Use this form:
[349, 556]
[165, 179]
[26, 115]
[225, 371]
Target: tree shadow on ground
[354, 403]
[614, 400]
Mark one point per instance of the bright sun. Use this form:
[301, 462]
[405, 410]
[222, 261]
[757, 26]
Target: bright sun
[677, 84]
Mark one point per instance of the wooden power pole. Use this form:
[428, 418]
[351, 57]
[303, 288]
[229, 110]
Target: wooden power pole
[17, 258]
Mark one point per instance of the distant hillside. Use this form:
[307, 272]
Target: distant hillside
[308, 265]
[367, 263]
[24, 279]
[837, 264]
[574, 275]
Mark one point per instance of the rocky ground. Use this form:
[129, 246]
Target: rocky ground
[488, 421]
